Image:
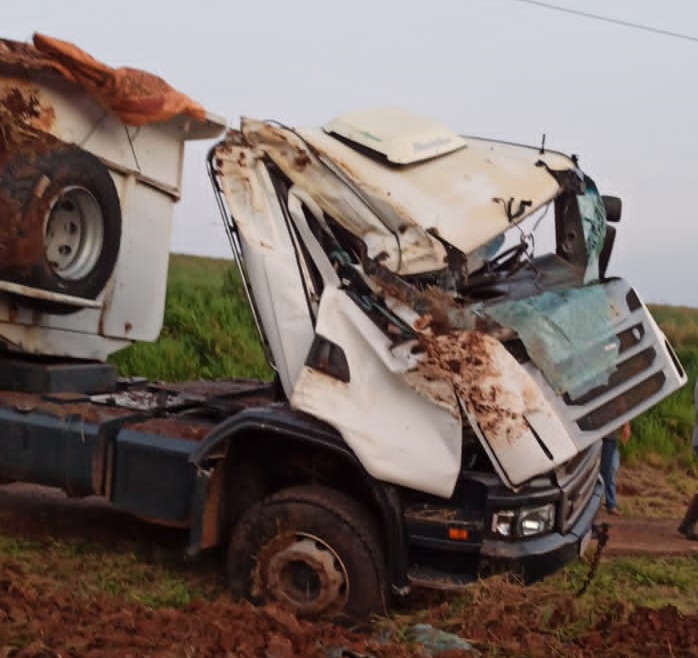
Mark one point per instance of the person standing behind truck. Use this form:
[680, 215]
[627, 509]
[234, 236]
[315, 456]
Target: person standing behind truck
[610, 462]
[687, 527]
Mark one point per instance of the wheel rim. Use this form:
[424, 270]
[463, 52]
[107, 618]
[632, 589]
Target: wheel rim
[74, 233]
[303, 572]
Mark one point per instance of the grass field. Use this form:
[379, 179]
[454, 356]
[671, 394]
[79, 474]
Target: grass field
[665, 430]
[208, 332]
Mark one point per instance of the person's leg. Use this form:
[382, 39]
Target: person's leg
[610, 460]
[688, 525]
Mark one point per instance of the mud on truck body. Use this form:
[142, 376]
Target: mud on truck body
[440, 388]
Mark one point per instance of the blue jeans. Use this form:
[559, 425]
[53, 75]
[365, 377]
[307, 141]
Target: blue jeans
[610, 461]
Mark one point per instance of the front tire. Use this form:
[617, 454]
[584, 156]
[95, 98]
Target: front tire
[312, 549]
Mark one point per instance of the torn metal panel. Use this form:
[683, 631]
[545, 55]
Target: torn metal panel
[397, 432]
[503, 404]
[270, 258]
[569, 335]
[402, 246]
[435, 329]
[466, 197]
[646, 371]
[411, 437]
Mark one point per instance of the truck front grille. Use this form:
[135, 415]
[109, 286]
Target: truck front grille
[646, 372]
[619, 405]
[625, 371]
[577, 491]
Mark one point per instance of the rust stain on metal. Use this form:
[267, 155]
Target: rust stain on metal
[107, 300]
[173, 427]
[21, 108]
[467, 360]
[25, 202]
[210, 527]
[24, 121]
[25, 134]
[87, 412]
[24, 137]
[300, 161]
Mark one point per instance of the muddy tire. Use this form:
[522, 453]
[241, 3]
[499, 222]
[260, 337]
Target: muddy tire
[311, 549]
[64, 231]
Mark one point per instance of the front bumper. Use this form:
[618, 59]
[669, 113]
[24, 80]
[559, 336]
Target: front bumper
[538, 557]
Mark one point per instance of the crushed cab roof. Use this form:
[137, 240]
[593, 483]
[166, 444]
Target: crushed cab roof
[466, 196]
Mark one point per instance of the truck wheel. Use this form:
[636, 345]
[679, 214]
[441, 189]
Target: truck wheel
[68, 224]
[312, 549]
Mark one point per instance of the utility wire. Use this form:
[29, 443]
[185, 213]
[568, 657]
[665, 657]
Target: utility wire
[607, 19]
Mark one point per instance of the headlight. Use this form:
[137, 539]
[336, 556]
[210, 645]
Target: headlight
[503, 523]
[536, 520]
[524, 522]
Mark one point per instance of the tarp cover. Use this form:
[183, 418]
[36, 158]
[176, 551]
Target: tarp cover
[568, 335]
[135, 96]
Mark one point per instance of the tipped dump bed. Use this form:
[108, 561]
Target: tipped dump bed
[90, 160]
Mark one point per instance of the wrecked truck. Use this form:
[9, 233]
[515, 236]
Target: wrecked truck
[441, 382]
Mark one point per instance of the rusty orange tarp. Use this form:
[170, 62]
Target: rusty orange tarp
[136, 97]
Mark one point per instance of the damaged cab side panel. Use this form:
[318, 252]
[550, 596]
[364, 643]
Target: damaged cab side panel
[392, 312]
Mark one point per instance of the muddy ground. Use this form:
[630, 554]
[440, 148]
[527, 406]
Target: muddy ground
[42, 616]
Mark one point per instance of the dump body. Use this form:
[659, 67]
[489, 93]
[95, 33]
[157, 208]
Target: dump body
[54, 116]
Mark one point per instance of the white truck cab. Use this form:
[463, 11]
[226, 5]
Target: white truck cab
[373, 253]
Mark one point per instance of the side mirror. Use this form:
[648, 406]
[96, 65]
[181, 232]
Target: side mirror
[613, 206]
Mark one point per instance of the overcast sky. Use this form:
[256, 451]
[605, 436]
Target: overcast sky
[625, 100]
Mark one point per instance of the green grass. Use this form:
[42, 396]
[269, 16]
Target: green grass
[208, 331]
[643, 581]
[152, 575]
[666, 429]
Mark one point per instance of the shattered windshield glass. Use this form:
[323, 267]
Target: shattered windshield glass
[593, 215]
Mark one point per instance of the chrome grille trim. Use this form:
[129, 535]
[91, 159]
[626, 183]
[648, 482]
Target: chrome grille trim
[578, 490]
[626, 394]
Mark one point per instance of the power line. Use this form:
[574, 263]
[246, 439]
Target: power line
[607, 19]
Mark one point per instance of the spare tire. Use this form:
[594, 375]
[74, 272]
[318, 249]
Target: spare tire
[62, 229]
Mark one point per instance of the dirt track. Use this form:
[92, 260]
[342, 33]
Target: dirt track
[641, 536]
[43, 618]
